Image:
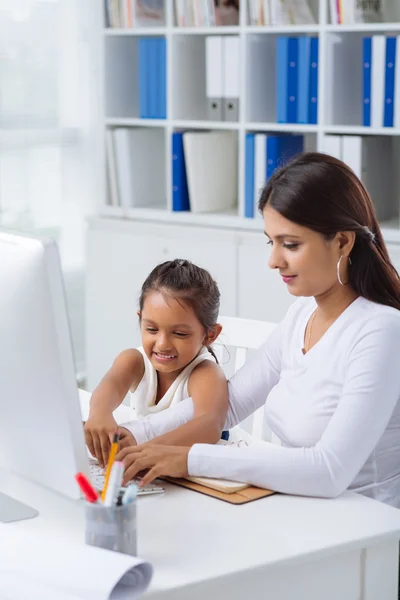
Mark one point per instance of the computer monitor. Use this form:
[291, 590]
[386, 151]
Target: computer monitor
[41, 434]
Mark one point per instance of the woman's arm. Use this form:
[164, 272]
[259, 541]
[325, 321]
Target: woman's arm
[248, 390]
[208, 389]
[199, 418]
[369, 397]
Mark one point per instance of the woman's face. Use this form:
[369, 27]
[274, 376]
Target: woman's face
[306, 260]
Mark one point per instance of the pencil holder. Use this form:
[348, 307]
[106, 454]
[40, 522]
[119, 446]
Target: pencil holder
[111, 527]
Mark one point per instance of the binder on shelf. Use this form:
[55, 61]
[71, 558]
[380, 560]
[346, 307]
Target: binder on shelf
[280, 149]
[111, 169]
[123, 155]
[282, 53]
[249, 176]
[211, 165]
[304, 72]
[292, 80]
[313, 91]
[367, 58]
[231, 76]
[214, 75]
[388, 116]
[260, 167]
[263, 154]
[153, 74]
[162, 83]
[180, 193]
[378, 80]
[396, 119]
[144, 80]
[152, 78]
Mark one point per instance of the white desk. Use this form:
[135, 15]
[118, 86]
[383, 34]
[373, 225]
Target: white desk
[281, 547]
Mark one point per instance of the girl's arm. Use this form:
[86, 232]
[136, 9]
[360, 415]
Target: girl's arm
[247, 390]
[208, 389]
[126, 371]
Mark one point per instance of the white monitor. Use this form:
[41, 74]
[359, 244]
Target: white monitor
[41, 434]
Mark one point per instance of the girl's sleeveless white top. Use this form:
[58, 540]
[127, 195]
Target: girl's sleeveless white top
[143, 398]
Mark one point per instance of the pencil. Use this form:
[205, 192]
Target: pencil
[113, 452]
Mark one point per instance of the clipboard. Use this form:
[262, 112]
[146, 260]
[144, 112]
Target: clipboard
[248, 494]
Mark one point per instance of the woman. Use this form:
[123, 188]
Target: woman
[330, 371]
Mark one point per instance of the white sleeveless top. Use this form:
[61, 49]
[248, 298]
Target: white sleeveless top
[143, 398]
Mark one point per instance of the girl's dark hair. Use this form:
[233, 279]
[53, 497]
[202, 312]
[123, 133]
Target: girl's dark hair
[322, 193]
[189, 283]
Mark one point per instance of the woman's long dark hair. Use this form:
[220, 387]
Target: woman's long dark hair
[322, 193]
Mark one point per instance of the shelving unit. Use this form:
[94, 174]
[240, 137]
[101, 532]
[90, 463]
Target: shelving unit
[186, 105]
[124, 244]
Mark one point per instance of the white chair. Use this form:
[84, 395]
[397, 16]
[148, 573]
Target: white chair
[237, 337]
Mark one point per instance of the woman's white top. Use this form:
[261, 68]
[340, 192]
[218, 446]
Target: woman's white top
[335, 409]
[143, 398]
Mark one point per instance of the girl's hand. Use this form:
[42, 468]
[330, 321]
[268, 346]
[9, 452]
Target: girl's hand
[156, 460]
[99, 430]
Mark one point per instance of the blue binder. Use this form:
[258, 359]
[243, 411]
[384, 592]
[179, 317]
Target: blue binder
[303, 84]
[162, 92]
[249, 177]
[313, 93]
[180, 192]
[292, 80]
[367, 70]
[388, 115]
[280, 149]
[282, 78]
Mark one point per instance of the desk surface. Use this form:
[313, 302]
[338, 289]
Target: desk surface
[189, 537]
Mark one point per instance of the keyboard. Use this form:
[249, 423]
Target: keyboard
[97, 479]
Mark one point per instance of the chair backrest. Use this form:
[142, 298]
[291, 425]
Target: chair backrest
[237, 337]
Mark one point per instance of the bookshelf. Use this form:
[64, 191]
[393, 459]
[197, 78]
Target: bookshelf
[125, 242]
[186, 102]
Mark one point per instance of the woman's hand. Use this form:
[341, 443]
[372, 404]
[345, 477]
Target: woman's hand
[126, 438]
[156, 460]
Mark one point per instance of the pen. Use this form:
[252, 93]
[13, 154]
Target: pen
[87, 489]
[113, 452]
[130, 494]
[114, 484]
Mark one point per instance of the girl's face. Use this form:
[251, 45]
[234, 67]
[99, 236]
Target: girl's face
[305, 259]
[172, 335]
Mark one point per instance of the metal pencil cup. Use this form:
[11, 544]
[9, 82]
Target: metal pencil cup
[111, 527]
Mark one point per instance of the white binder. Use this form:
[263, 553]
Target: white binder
[378, 80]
[214, 74]
[122, 148]
[231, 77]
[111, 169]
[211, 163]
[260, 167]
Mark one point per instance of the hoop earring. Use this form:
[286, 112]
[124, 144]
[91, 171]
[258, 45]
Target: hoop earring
[338, 270]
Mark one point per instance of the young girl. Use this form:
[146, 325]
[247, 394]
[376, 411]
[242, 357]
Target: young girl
[178, 311]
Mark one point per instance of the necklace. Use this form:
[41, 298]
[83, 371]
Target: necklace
[310, 324]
